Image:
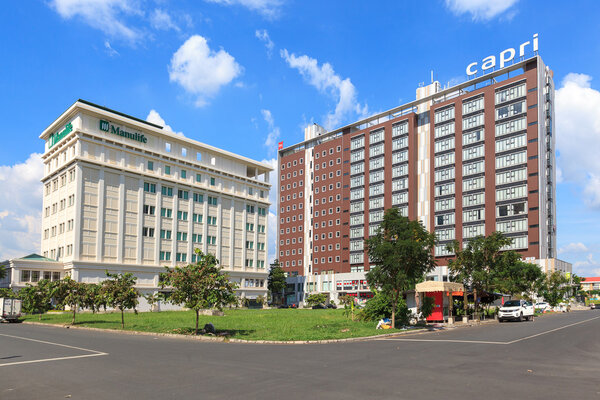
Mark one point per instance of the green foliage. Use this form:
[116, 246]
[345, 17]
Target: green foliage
[37, 299]
[377, 307]
[152, 299]
[8, 293]
[260, 300]
[516, 277]
[2, 272]
[120, 293]
[200, 286]
[94, 297]
[555, 287]
[476, 265]
[71, 293]
[427, 306]
[348, 303]
[276, 280]
[402, 252]
[316, 299]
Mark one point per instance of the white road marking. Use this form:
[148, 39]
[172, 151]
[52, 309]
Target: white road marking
[487, 342]
[95, 353]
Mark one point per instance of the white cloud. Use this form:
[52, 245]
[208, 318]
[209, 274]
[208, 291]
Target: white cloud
[107, 16]
[21, 207]
[573, 248]
[578, 135]
[587, 267]
[480, 10]
[272, 221]
[327, 81]
[270, 9]
[155, 118]
[263, 36]
[111, 52]
[202, 71]
[161, 20]
[274, 132]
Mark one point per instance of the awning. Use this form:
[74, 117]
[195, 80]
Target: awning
[438, 286]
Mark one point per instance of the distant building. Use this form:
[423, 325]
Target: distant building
[123, 195]
[591, 283]
[465, 160]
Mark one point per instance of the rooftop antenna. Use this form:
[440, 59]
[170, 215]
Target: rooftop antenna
[431, 76]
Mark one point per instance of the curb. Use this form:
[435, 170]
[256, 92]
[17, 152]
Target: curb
[228, 340]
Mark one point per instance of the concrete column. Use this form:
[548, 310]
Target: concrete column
[100, 217]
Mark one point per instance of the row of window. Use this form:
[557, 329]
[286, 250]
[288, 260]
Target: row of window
[59, 206]
[59, 229]
[62, 179]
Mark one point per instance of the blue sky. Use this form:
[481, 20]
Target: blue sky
[245, 74]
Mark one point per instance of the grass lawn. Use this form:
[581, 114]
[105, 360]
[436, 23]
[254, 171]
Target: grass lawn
[276, 324]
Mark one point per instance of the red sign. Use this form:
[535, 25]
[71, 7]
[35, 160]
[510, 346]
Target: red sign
[280, 146]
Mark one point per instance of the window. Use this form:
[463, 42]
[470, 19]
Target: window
[473, 168]
[211, 220]
[474, 215]
[444, 159]
[444, 219]
[149, 210]
[515, 225]
[149, 187]
[197, 238]
[262, 211]
[473, 184]
[400, 143]
[444, 115]
[182, 236]
[183, 174]
[445, 189]
[510, 110]
[470, 106]
[444, 130]
[473, 137]
[357, 143]
[399, 157]
[211, 239]
[357, 156]
[511, 193]
[445, 144]
[400, 129]
[167, 170]
[472, 231]
[473, 122]
[445, 234]
[509, 210]
[473, 199]
[377, 189]
[212, 181]
[249, 244]
[516, 175]
[511, 159]
[511, 126]
[212, 201]
[376, 136]
[249, 227]
[444, 174]
[165, 234]
[473, 152]
[443, 204]
[182, 215]
[198, 198]
[399, 184]
[165, 256]
[198, 178]
[511, 143]
[504, 95]
[150, 166]
[197, 218]
[357, 169]
[166, 212]
[183, 194]
[376, 176]
[166, 191]
[399, 198]
[376, 163]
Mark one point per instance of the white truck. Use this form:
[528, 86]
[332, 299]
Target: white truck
[516, 310]
[10, 309]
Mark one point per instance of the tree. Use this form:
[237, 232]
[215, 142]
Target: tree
[152, 299]
[555, 288]
[37, 299]
[2, 272]
[200, 286]
[72, 294]
[477, 264]
[402, 254]
[276, 281]
[427, 306]
[8, 293]
[94, 297]
[316, 299]
[120, 293]
[516, 277]
[348, 303]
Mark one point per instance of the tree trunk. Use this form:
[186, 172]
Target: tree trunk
[122, 320]
[74, 311]
[197, 314]
[475, 315]
[466, 302]
[39, 316]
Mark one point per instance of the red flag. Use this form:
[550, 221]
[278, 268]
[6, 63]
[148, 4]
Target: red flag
[280, 145]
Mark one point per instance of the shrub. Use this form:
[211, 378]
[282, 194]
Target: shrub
[380, 306]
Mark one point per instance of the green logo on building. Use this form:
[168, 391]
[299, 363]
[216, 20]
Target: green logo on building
[115, 130]
[104, 126]
[58, 136]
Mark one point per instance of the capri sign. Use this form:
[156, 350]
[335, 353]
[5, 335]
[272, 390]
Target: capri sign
[115, 130]
[505, 56]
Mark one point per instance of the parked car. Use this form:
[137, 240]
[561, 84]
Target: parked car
[319, 307]
[594, 306]
[331, 305]
[516, 310]
[542, 306]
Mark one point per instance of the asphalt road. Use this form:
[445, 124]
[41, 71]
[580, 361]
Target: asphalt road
[554, 357]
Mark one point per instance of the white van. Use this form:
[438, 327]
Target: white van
[516, 310]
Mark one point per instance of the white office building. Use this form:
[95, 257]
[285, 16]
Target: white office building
[124, 195]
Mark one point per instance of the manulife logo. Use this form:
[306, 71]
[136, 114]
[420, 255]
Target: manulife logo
[115, 130]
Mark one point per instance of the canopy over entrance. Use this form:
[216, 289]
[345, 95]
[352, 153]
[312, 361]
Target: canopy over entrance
[438, 286]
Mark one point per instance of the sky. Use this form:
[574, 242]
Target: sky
[243, 75]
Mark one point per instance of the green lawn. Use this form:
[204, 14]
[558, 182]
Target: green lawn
[276, 324]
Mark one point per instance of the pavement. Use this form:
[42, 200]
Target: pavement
[556, 356]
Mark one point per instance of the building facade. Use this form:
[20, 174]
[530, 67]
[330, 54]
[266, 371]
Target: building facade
[465, 160]
[123, 195]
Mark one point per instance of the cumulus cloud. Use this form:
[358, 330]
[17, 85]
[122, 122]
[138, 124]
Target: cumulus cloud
[21, 207]
[578, 135]
[263, 36]
[480, 10]
[573, 248]
[108, 16]
[155, 118]
[327, 81]
[269, 9]
[274, 132]
[161, 20]
[272, 220]
[587, 267]
[202, 71]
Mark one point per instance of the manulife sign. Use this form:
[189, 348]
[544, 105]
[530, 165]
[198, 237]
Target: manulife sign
[57, 137]
[115, 130]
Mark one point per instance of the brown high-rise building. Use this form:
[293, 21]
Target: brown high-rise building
[465, 160]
